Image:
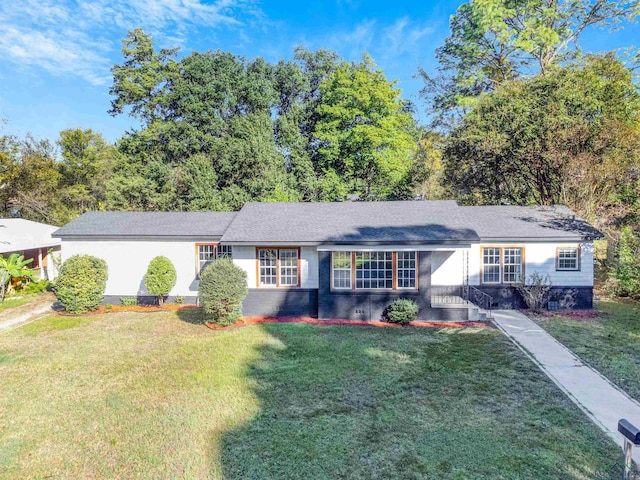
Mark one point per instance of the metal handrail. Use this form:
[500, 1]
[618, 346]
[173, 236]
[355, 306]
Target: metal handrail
[478, 297]
[463, 295]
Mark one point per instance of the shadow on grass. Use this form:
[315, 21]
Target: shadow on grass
[348, 402]
[194, 316]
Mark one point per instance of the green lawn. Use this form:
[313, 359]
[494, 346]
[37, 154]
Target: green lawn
[611, 343]
[17, 302]
[152, 396]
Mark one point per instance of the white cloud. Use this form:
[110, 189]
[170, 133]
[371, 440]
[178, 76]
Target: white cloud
[74, 37]
[398, 39]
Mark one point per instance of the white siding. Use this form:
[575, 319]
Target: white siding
[541, 258]
[245, 258]
[127, 262]
[447, 268]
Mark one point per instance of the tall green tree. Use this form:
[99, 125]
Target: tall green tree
[86, 164]
[494, 41]
[570, 136]
[366, 132]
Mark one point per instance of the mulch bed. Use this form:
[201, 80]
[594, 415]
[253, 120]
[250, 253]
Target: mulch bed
[134, 308]
[246, 321]
[568, 314]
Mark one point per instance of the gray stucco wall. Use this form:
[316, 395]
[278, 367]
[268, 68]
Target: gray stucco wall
[363, 305]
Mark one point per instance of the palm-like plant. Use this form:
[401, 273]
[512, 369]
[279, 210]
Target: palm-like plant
[14, 267]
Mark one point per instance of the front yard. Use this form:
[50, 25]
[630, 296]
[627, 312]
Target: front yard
[130, 395]
[610, 342]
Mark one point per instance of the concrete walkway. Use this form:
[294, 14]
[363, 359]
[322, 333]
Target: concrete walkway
[602, 401]
[15, 317]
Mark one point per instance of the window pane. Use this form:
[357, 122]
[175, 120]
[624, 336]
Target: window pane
[206, 255]
[289, 267]
[342, 270]
[568, 259]
[512, 265]
[406, 272]
[224, 251]
[267, 266]
[491, 265]
[374, 270]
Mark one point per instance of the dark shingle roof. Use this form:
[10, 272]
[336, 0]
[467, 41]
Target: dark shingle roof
[148, 224]
[351, 222]
[539, 222]
[344, 223]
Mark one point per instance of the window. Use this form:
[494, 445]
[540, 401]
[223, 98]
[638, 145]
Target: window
[268, 259]
[208, 252]
[224, 251]
[406, 270]
[512, 265]
[278, 267]
[341, 270]
[568, 258]
[491, 265]
[374, 270]
[288, 268]
[206, 255]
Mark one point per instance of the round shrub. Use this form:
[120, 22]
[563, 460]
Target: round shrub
[401, 311]
[160, 278]
[81, 283]
[223, 286]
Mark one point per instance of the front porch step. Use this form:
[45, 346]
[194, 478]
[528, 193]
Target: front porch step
[476, 314]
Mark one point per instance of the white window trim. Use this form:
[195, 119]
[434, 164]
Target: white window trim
[342, 269]
[577, 259]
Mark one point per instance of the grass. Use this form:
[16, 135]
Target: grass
[129, 395]
[609, 343]
[17, 302]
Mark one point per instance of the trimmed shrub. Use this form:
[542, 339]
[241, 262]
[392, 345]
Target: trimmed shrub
[160, 278]
[129, 301]
[223, 287]
[81, 283]
[401, 311]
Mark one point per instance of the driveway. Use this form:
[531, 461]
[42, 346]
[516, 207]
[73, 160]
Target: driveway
[601, 400]
[14, 317]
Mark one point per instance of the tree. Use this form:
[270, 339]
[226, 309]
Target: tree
[223, 287]
[569, 136]
[81, 283]
[86, 164]
[365, 130]
[160, 278]
[624, 277]
[495, 41]
[14, 268]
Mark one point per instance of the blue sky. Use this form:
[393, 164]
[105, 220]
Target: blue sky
[55, 55]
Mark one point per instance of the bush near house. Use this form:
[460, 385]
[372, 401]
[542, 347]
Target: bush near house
[536, 292]
[81, 283]
[401, 311]
[223, 287]
[160, 278]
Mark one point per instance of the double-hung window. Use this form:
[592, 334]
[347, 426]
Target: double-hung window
[278, 267]
[406, 270]
[512, 261]
[374, 270]
[208, 252]
[502, 265]
[568, 258]
[342, 270]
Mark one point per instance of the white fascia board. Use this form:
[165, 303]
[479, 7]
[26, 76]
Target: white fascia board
[392, 248]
